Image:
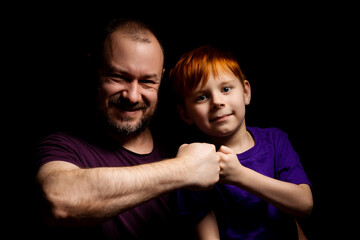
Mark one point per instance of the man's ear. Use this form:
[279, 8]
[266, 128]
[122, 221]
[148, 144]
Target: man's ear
[183, 114]
[247, 92]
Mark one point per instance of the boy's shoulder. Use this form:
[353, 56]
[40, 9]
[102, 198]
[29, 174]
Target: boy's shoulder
[269, 131]
[270, 138]
[270, 135]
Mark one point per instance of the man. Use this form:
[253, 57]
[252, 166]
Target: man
[114, 182]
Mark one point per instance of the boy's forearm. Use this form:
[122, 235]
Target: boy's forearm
[291, 198]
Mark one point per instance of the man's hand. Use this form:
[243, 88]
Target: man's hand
[202, 163]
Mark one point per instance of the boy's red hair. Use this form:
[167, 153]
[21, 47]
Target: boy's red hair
[195, 67]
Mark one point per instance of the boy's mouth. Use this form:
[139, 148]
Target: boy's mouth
[220, 118]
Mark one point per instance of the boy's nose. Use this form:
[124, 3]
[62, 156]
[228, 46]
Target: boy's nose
[217, 103]
[217, 106]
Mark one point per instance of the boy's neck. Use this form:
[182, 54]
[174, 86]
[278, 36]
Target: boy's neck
[239, 142]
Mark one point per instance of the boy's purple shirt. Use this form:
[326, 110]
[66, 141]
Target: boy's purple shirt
[241, 215]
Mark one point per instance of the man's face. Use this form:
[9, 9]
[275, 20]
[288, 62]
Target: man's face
[129, 82]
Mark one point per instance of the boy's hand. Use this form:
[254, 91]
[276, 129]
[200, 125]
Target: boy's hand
[230, 166]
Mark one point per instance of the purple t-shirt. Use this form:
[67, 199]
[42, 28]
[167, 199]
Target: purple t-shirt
[241, 215]
[154, 219]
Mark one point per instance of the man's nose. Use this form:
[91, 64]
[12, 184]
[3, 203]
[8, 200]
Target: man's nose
[132, 92]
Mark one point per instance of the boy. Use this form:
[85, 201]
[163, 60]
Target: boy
[262, 182]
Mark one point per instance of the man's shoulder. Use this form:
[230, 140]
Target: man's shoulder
[66, 138]
[69, 147]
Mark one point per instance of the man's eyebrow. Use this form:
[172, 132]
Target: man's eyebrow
[112, 70]
[151, 76]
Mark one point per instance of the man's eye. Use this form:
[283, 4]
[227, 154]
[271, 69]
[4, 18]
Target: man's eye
[148, 82]
[115, 77]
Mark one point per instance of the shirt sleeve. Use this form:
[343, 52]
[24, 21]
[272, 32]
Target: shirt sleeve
[193, 205]
[56, 147]
[288, 164]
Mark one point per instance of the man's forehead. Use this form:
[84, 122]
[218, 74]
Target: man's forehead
[122, 41]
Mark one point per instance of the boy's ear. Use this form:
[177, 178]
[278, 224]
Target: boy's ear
[183, 114]
[247, 92]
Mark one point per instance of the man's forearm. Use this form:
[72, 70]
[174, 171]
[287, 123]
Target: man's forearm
[85, 196]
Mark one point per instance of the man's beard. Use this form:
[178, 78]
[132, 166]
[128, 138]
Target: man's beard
[123, 125]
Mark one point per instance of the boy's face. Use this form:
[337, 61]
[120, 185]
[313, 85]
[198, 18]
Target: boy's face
[218, 109]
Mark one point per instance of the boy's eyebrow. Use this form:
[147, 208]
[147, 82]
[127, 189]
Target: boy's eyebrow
[198, 90]
[226, 81]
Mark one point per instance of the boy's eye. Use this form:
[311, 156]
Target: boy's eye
[200, 98]
[226, 89]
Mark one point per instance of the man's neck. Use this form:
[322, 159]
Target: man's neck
[140, 144]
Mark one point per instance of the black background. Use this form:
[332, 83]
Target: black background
[295, 57]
